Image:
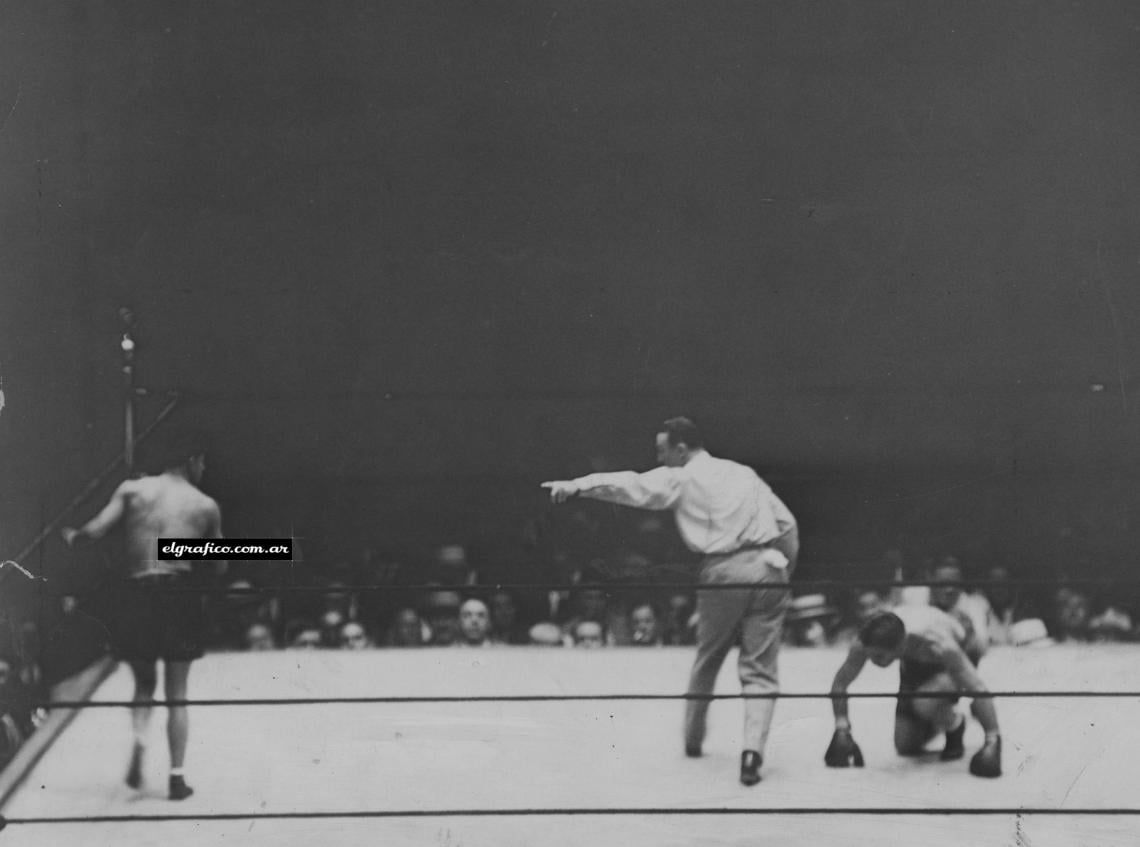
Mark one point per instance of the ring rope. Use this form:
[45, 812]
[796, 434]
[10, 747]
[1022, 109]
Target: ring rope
[609, 587]
[548, 698]
[957, 811]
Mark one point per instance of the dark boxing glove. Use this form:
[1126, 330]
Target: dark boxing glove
[987, 761]
[843, 752]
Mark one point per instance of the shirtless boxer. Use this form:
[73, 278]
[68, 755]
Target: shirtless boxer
[931, 648]
[151, 622]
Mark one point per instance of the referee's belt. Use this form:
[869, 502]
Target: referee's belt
[769, 554]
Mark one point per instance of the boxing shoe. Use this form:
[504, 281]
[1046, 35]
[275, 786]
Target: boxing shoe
[954, 748]
[987, 761]
[750, 762]
[179, 790]
[134, 772]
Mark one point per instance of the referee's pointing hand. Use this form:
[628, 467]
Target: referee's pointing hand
[561, 491]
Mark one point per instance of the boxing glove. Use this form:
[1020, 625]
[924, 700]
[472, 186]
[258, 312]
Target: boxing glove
[843, 752]
[987, 761]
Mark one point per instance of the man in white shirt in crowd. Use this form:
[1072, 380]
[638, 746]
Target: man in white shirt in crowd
[747, 535]
[948, 595]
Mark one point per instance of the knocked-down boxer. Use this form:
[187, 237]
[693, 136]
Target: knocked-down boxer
[930, 647]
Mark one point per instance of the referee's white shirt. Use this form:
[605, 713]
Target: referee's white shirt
[721, 506]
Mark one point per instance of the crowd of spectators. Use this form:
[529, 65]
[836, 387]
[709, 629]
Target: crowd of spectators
[37, 652]
[993, 604]
[638, 594]
[21, 685]
[452, 610]
[456, 609]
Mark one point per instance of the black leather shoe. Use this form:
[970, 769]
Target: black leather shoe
[954, 748]
[750, 762]
[693, 751]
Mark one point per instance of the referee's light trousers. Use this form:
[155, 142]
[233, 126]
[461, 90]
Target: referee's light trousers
[757, 615]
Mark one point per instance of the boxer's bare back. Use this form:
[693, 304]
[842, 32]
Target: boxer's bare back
[167, 505]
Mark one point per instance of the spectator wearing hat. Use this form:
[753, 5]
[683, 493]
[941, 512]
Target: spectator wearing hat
[303, 634]
[903, 573]
[441, 613]
[546, 634]
[259, 637]
[594, 604]
[408, 630]
[331, 623]
[353, 636]
[336, 598]
[452, 568]
[589, 635]
[865, 605]
[1112, 624]
[810, 620]
[1030, 632]
[242, 607]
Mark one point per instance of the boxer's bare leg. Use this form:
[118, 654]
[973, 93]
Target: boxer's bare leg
[177, 727]
[146, 680]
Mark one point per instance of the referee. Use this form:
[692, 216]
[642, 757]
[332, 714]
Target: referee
[747, 535]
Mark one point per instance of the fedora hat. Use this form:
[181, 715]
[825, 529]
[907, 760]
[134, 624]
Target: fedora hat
[810, 607]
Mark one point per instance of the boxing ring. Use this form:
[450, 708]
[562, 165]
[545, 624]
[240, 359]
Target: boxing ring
[530, 745]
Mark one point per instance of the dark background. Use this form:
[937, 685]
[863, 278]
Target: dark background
[404, 260]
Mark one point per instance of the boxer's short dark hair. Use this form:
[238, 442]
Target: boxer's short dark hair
[883, 631]
[179, 447]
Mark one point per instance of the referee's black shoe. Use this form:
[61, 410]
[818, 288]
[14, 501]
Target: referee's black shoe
[750, 762]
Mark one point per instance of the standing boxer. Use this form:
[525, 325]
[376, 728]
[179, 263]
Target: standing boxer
[152, 622]
[747, 535]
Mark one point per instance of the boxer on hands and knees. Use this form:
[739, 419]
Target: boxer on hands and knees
[930, 647]
[747, 535]
[152, 623]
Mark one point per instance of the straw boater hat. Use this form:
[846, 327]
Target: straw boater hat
[438, 600]
[452, 555]
[546, 634]
[1030, 633]
[810, 607]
